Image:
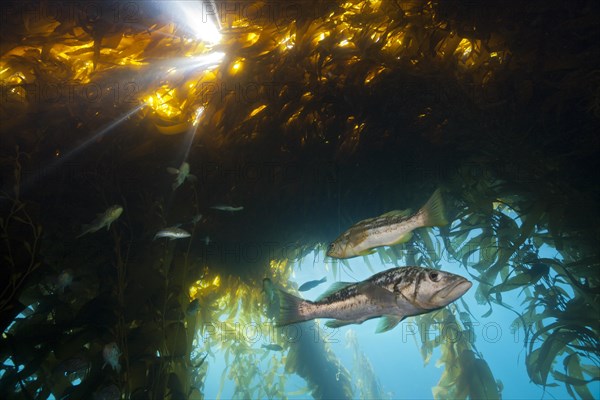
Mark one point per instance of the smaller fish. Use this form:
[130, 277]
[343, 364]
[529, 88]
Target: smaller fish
[103, 220]
[182, 173]
[311, 284]
[193, 307]
[111, 355]
[172, 233]
[64, 280]
[388, 229]
[227, 208]
[272, 346]
[207, 241]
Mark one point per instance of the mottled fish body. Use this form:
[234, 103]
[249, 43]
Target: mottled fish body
[393, 294]
[227, 208]
[172, 233]
[183, 173]
[311, 284]
[103, 220]
[388, 229]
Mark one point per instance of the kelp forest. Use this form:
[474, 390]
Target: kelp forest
[263, 130]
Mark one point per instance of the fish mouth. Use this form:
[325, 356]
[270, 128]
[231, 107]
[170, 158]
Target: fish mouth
[453, 292]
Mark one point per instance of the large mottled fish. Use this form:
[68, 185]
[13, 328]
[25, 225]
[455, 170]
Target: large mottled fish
[393, 295]
[388, 229]
[103, 220]
[182, 173]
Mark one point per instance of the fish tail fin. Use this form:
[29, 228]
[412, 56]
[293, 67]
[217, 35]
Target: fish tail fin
[290, 306]
[290, 309]
[433, 211]
[84, 229]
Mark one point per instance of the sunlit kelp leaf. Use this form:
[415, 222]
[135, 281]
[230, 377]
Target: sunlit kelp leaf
[523, 278]
[574, 377]
[539, 363]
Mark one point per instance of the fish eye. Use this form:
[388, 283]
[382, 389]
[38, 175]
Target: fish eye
[434, 276]
[331, 246]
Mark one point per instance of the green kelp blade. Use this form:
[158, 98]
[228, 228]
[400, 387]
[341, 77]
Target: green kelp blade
[366, 260]
[517, 281]
[573, 368]
[554, 344]
[578, 384]
[483, 385]
[432, 251]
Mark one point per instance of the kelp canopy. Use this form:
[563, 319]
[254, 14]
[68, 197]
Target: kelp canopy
[311, 115]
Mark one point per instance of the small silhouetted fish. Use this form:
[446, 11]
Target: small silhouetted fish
[227, 208]
[272, 346]
[111, 354]
[311, 284]
[103, 220]
[182, 173]
[172, 233]
[193, 307]
[64, 280]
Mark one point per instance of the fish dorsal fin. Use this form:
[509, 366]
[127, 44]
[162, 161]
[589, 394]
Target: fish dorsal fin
[388, 322]
[398, 213]
[376, 293]
[337, 286]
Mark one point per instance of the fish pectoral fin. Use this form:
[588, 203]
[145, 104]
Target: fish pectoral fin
[335, 287]
[403, 238]
[338, 323]
[377, 293]
[388, 322]
[366, 252]
[172, 170]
